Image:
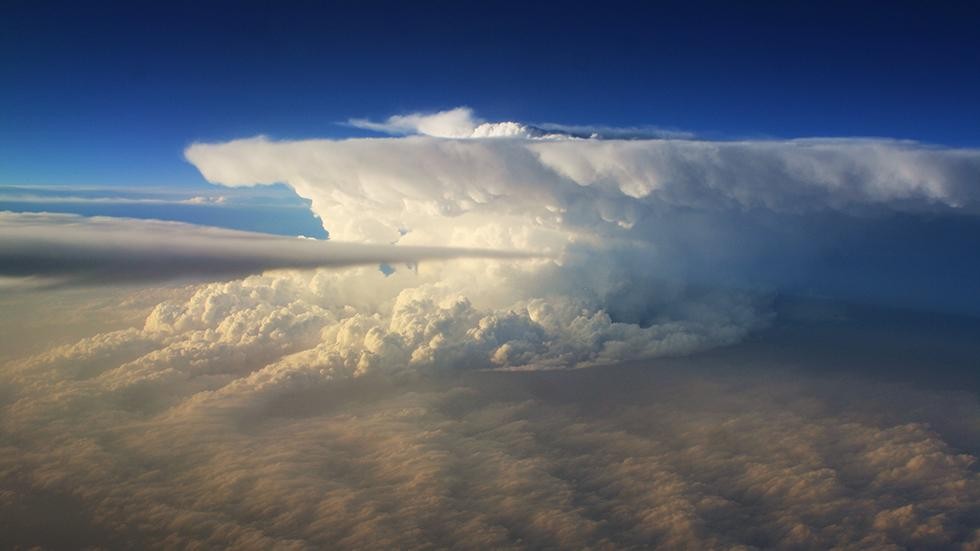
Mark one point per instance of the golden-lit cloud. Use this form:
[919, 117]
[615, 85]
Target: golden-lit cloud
[686, 456]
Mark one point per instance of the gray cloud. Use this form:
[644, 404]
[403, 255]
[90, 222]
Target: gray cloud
[61, 249]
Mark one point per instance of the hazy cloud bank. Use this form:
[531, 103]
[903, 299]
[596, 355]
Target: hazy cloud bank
[694, 455]
[62, 249]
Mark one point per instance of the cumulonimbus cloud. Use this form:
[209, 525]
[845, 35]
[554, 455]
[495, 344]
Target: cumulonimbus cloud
[260, 413]
[62, 249]
[618, 214]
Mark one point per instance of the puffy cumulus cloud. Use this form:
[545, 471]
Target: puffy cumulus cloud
[686, 454]
[336, 325]
[454, 123]
[61, 249]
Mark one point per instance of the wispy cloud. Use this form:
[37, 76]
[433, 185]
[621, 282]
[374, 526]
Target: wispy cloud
[110, 200]
[140, 195]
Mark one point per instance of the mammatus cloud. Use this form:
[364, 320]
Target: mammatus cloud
[69, 249]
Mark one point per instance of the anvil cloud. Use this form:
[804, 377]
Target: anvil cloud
[372, 188]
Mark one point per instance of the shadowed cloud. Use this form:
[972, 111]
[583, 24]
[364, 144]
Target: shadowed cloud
[58, 249]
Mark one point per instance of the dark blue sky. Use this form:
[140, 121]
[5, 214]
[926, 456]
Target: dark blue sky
[111, 92]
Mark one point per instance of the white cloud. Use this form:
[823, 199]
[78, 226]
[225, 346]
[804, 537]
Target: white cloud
[457, 123]
[454, 123]
[638, 228]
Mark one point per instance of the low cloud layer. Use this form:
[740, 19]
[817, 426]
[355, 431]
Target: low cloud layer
[60, 249]
[201, 442]
[214, 359]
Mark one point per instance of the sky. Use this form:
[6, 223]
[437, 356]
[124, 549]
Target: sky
[111, 93]
[454, 275]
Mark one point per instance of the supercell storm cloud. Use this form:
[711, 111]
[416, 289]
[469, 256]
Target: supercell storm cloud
[303, 398]
[489, 275]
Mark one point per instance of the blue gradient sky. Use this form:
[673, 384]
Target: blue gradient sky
[110, 93]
